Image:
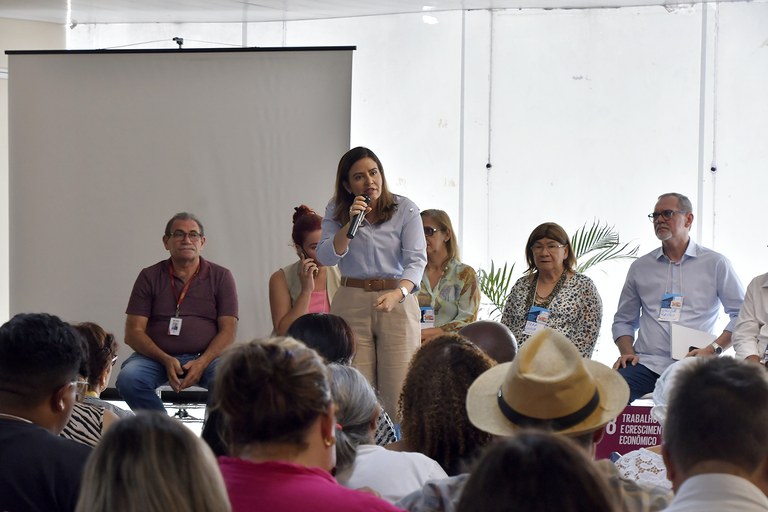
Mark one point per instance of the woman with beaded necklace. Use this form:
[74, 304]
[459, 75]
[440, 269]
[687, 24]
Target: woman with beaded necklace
[552, 294]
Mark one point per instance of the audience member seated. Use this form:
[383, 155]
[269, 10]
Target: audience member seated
[435, 420]
[333, 338]
[359, 462]
[304, 286]
[276, 398]
[448, 286]
[493, 337]
[102, 356]
[714, 438]
[646, 465]
[551, 387]
[536, 472]
[330, 335]
[39, 359]
[153, 463]
[88, 422]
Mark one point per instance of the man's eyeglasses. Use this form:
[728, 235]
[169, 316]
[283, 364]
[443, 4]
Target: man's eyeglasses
[429, 231]
[194, 236]
[548, 247]
[667, 214]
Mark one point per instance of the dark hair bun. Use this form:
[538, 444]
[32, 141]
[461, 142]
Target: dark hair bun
[301, 211]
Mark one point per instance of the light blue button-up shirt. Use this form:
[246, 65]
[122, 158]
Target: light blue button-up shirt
[704, 278]
[395, 249]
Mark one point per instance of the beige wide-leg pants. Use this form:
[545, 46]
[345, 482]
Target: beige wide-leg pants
[385, 341]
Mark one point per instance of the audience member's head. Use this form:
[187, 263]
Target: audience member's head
[275, 393]
[548, 386]
[435, 420]
[40, 356]
[494, 338]
[102, 354]
[535, 472]
[357, 412]
[717, 422]
[152, 462]
[330, 335]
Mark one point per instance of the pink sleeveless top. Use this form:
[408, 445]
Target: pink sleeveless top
[319, 303]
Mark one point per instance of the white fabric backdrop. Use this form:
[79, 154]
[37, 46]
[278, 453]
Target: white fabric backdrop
[107, 146]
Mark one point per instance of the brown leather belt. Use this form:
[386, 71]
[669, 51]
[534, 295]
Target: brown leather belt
[371, 285]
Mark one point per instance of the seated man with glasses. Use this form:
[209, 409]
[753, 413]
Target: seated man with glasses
[181, 315]
[680, 282]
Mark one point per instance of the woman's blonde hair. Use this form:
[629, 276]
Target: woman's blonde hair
[443, 222]
[152, 463]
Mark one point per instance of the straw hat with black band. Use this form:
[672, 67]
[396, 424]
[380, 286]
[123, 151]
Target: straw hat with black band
[548, 385]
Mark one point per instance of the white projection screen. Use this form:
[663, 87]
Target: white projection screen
[105, 146]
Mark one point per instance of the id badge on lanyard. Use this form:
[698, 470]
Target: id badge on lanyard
[174, 324]
[672, 303]
[671, 307]
[537, 319]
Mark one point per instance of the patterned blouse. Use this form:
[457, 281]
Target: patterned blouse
[576, 311]
[455, 299]
[85, 425]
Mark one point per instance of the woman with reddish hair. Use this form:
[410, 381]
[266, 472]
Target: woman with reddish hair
[304, 286]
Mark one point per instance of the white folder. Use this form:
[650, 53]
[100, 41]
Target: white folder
[683, 338]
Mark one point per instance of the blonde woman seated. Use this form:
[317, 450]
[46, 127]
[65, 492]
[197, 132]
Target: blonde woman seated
[153, 463]
[449, 290]
[360, 463]
[304, 286]
[276, 402]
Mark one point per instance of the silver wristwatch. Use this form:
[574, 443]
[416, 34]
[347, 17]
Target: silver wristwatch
[717, 348]
[405, 293]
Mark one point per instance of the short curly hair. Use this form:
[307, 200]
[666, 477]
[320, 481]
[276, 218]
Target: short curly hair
[432, 403]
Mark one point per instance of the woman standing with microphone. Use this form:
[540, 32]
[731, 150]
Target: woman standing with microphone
[381, 264]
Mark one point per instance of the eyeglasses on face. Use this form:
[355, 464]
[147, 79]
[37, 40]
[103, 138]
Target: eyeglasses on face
[548, 247]
[429, 231]
[667, 214]
[194, 236]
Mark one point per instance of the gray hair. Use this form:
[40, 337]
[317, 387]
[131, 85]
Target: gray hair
[184, 216]
[357, 403]
[682, 201]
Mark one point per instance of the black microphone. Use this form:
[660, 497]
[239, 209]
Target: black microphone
[357, 220]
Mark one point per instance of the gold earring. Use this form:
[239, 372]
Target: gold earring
[330, 441]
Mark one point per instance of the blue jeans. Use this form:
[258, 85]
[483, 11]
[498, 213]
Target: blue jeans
[140, 376]
[641, 380]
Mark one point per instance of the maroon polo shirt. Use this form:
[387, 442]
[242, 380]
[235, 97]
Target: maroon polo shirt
[211, 294]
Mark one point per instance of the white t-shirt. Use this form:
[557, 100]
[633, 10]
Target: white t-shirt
[392, 474]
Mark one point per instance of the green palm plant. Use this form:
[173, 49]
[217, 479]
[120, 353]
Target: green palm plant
[592, 246]
[496, 284]
[597, 244]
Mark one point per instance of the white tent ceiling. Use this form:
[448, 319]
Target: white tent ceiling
[236, 11]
